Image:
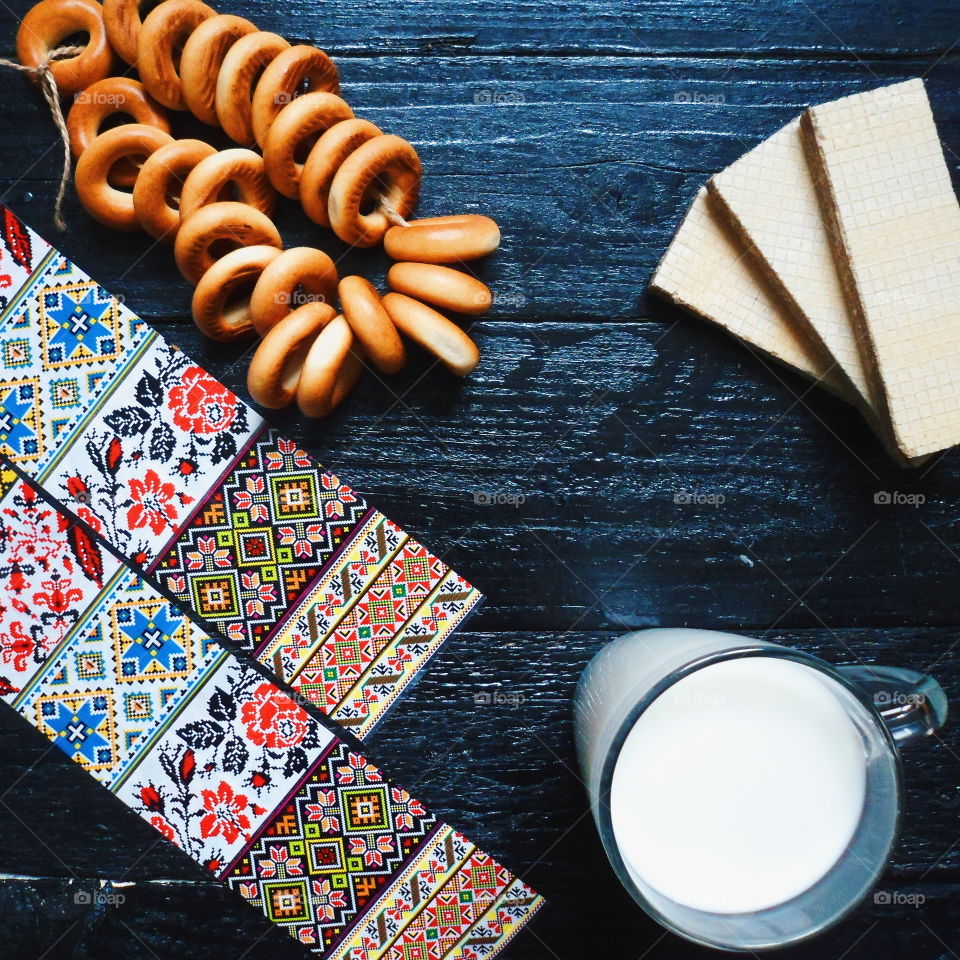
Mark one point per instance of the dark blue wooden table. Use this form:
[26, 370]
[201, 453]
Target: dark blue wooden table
[585, 128]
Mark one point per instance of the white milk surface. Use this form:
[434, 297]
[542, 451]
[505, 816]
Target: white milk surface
[739, 787]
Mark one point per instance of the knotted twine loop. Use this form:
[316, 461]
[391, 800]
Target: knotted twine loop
[48, 87]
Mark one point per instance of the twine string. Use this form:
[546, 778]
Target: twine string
[48, 86]
[392, 214]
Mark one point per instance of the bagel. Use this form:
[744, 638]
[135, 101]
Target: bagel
[45, 27]
[216, 310]
[160, 179]
[130, 142]
[371, 324]
[299, 275]
[385, 170]
[275, 369]
[218, 225]
[215, 175]
[433, 331]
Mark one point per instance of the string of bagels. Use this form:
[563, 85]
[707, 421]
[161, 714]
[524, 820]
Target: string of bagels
[297, 138]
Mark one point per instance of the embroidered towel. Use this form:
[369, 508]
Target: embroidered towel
[222, 762]
[277, 555]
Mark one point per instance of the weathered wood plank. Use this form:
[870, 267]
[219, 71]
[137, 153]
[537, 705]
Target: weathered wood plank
[814, 28]
[589, 173]
[599, 430]
[485, 738]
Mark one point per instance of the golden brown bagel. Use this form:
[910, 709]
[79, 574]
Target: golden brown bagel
[433, 331]
[162, 34]
[325, 157]
[215, 229]
[201, 60]
[441, 286]
[220, 309]
[308, 116]
[239, 73]
[298, 276]
[237, 169]
[300, 69]
[330, 370]
[122, 20]
[277, 363]
[383, 170]
[371, 324]
[159, 181]
[45, 27]
[107, 98]
[132, 142]
[456, 239]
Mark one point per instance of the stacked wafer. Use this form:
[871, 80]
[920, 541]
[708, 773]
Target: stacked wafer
[834, 247]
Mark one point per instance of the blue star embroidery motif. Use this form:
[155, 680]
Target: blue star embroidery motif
[153, 642]
[76, 730]
[78, 325]
[14, 409]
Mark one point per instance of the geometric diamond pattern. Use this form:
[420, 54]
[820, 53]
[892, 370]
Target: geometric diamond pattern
[21, 419]
[260, 539]
[327, 853]
[371, 623]
[449, 901]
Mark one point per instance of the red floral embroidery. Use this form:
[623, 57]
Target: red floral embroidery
[225, 817]
[272, 719]
[161, 824]
[325, 900]
[58, 596]
[17, 647]
[200, 404]
[151, 502]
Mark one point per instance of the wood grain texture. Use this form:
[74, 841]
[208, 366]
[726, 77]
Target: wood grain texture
[585, 129]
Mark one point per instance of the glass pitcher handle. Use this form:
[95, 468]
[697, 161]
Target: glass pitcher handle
[912, 704]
